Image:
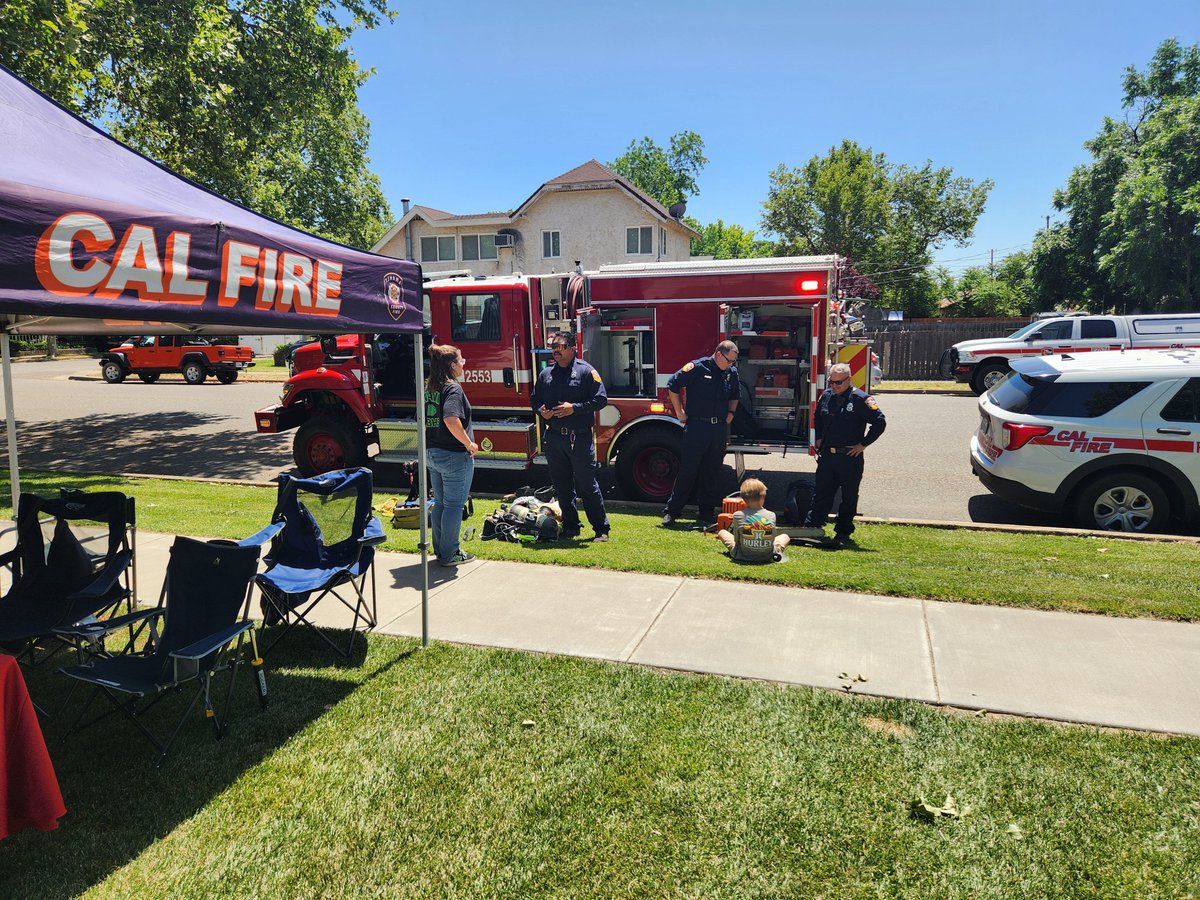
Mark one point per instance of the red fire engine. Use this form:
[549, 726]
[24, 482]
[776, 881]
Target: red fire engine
[352, 398]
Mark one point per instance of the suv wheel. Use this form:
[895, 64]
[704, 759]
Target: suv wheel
[1122, 501]
[193, 373]
[113, 373]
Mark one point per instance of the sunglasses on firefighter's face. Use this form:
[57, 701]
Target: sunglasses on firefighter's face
[838, 380]
[728, 358]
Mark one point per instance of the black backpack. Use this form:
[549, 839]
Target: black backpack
[799, 499]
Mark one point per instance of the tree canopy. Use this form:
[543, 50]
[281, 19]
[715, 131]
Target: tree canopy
[721, 241]
[255, 99]
[1131, 239]
[669, 176]
[887, 218]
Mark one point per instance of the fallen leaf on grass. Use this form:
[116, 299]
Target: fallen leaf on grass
[923, 809]
[1015, 831]
[1103, 576]
[528, 723]
[1049, 559]
[1101, 549]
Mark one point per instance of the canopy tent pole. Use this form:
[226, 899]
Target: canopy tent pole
[423, 496]
[10, 422]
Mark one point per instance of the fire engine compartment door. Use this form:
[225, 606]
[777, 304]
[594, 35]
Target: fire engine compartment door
[589, 334]
[774, 343]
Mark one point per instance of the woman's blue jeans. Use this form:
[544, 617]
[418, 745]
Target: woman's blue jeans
[450, 476]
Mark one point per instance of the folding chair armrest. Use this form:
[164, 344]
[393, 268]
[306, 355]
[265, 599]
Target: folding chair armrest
[373, 534]
[212, 643]
[103, 584]
[261, 537]
[107, 626]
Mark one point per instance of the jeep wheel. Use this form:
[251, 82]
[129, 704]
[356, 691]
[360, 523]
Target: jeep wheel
[194, 373]
[148, 377]
[987, 377]
[1122, 501]
[113, 373]
[227, 377]
[327, 443]
[647, 463]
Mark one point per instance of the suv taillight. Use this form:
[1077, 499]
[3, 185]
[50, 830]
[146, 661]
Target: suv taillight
[1017, 435]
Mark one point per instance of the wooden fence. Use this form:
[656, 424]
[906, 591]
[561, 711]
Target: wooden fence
[917, 350]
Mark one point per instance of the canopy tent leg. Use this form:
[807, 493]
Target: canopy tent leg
[10, 421]
[423, 496]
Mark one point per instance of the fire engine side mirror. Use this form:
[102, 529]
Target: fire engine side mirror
[509, 378]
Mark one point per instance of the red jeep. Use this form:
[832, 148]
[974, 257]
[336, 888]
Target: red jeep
[193, 357]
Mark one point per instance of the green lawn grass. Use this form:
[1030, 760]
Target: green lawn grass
[414, 774]
[899, 386]
[1038, 571]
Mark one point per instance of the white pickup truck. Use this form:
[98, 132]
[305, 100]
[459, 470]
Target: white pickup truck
[982, 363]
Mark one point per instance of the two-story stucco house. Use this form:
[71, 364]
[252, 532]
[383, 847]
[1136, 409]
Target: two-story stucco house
[591, 215]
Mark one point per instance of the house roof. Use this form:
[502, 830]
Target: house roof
[593, 175]
[589, 176]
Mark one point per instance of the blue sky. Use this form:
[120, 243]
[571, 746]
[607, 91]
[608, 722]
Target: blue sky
[475, 104]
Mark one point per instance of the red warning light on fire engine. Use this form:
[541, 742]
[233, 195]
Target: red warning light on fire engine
[810, 284]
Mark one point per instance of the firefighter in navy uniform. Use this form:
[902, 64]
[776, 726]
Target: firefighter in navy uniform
[847, 422]
[567, 395]
[711, 383]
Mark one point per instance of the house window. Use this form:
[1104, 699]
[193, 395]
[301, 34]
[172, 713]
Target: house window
[479, 246]
[662, 242]
[639, 241]
[437, 249]
[550, 245]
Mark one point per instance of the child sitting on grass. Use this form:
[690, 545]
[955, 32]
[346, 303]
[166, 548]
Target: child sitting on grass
[751, 536]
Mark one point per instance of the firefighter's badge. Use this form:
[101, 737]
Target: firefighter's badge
[872, 403]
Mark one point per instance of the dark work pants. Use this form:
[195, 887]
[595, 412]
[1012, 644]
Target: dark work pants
[700, 468]
[571, 468]
[836, 470]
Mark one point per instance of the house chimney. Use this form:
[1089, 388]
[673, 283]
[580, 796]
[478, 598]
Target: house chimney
[408, 250]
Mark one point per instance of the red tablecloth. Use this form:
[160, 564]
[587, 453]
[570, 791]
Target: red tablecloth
[29, 794]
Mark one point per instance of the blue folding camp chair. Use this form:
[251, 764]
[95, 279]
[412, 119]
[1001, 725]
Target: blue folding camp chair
[326, 548]
[72, 563]
[204, 613]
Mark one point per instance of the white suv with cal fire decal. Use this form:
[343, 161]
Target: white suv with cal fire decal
[1110, 438]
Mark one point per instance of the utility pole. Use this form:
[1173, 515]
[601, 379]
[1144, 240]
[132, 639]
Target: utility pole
[992, 264]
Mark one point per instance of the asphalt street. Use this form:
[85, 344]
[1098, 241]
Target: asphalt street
[918, 470]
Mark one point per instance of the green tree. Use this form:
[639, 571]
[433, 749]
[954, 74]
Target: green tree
[255, 99]
[669, 176]
[721, 241]
[1132, 234]
[887, 218]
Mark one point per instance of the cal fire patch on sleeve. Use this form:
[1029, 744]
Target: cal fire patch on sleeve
[689, 367]
[872, 403]
[595, 376]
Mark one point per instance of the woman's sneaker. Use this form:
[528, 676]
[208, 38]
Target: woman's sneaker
[458, 559]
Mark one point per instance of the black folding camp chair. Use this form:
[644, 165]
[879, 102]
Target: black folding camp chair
[72, 563]
[204, 614]
[326, 549]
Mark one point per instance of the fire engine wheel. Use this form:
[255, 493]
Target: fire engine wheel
[194, 373]
[327, 443]
[647, 463]
[148, 377]
[113, 373]
[987, 377]
[227, 377]
[1122, 501]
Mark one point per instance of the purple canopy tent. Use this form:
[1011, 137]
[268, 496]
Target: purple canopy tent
[97, 238]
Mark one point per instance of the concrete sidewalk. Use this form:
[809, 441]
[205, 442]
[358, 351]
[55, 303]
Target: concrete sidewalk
[1126, 673]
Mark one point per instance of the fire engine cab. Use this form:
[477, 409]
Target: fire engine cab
[352, 398]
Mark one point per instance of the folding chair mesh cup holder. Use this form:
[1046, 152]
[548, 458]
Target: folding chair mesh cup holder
[72, 565]
[326, 548]
[204, 609]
